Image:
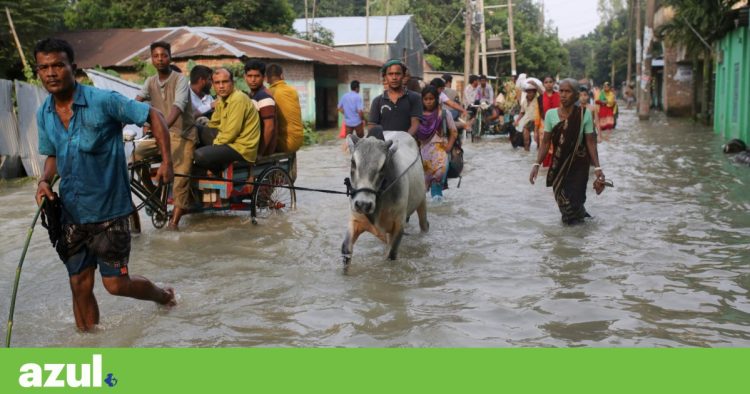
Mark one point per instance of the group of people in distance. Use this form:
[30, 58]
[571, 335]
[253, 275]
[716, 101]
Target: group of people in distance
[80, 133]
[562, 122]
[237, 125]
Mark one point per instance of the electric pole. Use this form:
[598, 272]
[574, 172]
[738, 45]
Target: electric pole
[630, 42]
[646, 79]
[638, 51]
[467, 41]
[385, 42]
[512, 39]
[482, 36]
[367, 27]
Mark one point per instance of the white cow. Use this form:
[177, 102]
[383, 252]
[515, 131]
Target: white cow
[387, 187]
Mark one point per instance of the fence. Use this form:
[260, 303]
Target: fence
[19, 143]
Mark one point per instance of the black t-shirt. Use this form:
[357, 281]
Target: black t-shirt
[396, 116]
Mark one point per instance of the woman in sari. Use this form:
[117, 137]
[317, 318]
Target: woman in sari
[607, 108]
[570, 130]
[436, 135]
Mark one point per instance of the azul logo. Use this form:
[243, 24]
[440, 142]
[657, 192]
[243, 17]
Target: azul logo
[65, 375]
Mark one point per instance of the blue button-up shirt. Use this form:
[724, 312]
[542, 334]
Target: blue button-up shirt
[94, 184]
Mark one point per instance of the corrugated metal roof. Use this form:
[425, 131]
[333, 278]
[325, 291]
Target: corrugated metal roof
[350, 30]
[118, 47]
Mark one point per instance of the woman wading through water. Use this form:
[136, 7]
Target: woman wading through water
[570, 129]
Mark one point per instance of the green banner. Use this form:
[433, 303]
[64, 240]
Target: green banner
[375, 370]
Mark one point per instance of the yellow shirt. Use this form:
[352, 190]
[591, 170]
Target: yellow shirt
[238, 123]
[289, 116]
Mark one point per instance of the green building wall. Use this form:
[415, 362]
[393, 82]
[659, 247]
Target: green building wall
[732, 95]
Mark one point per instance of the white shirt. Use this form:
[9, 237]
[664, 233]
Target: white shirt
[201, 105]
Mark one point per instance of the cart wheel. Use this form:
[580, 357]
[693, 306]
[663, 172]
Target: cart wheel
[271, 200]
[159, 220]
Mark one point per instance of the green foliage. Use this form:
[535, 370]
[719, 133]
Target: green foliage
[145, 69]
[106, 71]
[320, 34]
[434, 60]
[538, 49]
[591, 56]
[309, 133]
[33, 20]
[707, 17]
[266, 15]
[330, 8]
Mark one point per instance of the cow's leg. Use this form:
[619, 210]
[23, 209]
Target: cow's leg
[347, 247]
[424, 225]
[395, 240]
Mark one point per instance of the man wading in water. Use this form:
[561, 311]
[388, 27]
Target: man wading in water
[397, 109]
[80, 132]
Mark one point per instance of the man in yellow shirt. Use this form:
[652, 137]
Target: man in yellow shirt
[288, 112]
[233, 133]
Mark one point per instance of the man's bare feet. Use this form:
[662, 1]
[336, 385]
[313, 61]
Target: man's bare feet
[170, 299]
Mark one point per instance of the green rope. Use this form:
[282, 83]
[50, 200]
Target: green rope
[29, 232]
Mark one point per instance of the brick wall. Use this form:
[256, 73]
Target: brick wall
[363, 74]
[678, 84]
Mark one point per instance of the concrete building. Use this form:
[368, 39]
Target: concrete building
[732, 94]
[674, 80]
[318, 72]
[400, 41]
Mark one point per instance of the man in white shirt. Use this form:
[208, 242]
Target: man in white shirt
[470, 91]
[200, 90]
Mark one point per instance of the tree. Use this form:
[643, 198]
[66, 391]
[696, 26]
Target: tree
[538, 48]
[269, 15]
[33, 20]
[319, 34]
[697, 24]
[593, 55]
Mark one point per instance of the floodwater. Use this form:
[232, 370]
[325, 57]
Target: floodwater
[664, 263]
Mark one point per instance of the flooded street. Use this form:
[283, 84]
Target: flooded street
[664, 263]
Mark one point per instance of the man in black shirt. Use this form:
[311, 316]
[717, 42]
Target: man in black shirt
[397, 109]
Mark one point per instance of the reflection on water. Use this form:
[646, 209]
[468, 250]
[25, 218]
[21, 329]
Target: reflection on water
[664, 262]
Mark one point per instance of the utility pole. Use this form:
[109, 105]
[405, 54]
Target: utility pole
[631, 31]
[313, 22]
[482, 36]
[644, 106]
[385, 42]
[638, 51]
[367, 27]
[467, 41]
[476, 54]
[15, 37]
[307, 24]
[512, 39]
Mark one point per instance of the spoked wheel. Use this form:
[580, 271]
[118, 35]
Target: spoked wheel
[160, 215]
[159, 219]
[270, 199]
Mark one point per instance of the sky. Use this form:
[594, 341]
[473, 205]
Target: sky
[573, 18]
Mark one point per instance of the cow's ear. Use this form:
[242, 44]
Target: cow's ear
[352, 140]
[390, 149]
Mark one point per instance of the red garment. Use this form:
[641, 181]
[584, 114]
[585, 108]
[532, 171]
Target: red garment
[549, 102]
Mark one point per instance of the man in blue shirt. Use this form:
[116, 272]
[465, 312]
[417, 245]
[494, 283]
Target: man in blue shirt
[80, 132]
[352, 107]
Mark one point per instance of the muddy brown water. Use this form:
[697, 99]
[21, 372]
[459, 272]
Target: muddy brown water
[664, 263]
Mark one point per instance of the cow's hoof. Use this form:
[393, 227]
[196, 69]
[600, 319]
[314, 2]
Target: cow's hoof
[346, 260]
